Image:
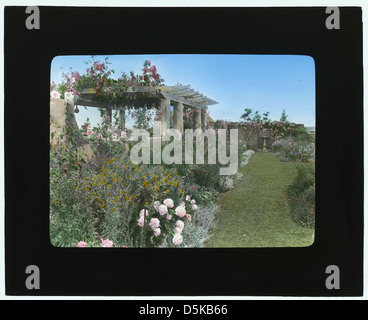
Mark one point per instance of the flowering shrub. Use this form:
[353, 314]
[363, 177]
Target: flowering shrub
[296, 151]
[165, 222]
[116, 193]
[196, 231]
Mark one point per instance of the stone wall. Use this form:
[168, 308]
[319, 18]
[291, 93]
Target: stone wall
[61, 118]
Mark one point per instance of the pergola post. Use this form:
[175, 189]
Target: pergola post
[204, 119]
[178, 117]
[165, 114]
[122, 119]
[108, 117]
[197, 119]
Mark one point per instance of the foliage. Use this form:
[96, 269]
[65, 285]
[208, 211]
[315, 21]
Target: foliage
[301, 195]
[254, 123]
[256, 117]
[71, 218]
[295, 151]
[283, 116]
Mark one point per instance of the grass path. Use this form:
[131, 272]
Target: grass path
[256, 213]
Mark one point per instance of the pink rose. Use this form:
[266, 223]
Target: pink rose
[178, 239]
[106, 243]
[162, 209]
[192, 202]
[143, 212]
[180, 211]
[169, 203]
[154, 223]
[189, 217]
[194, 207]
[156, 204]
[141, 221]
[187, 198]
[82, 244]
[168, 216]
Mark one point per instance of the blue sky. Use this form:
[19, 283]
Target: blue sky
[259, 82]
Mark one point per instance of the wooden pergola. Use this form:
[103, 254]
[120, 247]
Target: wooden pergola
[179, 96]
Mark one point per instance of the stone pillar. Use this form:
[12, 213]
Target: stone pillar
[165, 114]
[197, 119]
[178, 116]
[122, 119]
[108, 117]
[204, 119]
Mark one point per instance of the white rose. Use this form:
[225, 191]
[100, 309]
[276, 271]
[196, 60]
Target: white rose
[169, 203]
[55, 94]
[69, 96]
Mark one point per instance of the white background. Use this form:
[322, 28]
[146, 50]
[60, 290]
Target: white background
[166, 3]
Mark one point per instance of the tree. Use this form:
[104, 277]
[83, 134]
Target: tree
[249, 116]
[283, 116]
[246, 114]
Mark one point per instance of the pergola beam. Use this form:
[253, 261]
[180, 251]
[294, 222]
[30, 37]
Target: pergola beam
[183, 94]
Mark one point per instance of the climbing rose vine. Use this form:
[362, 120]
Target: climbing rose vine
[99, 76]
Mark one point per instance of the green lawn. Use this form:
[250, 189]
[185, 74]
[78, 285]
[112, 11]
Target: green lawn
[256, 213]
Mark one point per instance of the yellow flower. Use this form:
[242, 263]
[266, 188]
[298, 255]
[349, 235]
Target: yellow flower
[127, 198]
[102, 206]
[58, 202]
[147, 203]
[87, 198]
[113, 209]
[145, 184]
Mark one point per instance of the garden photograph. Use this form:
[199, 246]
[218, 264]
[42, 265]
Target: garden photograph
[182, 151]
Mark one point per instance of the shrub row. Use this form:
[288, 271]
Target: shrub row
[301, 195]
